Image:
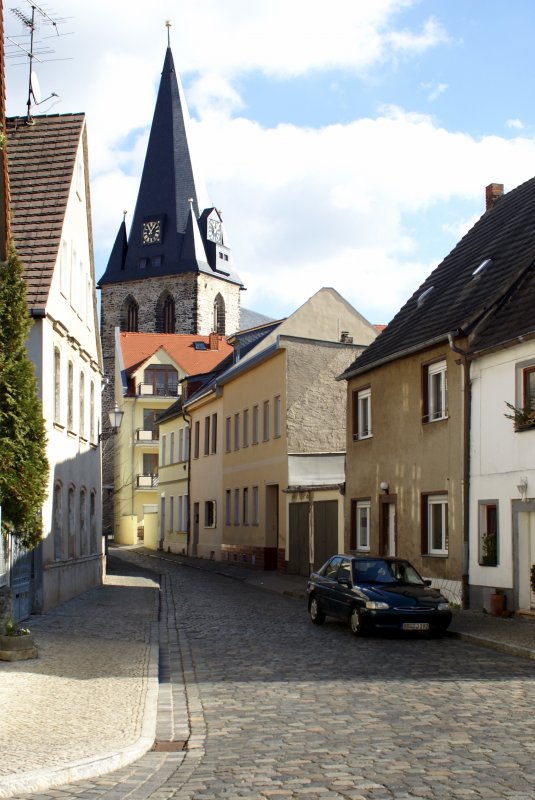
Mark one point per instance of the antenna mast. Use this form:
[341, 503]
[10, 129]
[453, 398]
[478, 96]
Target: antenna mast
[35, 16]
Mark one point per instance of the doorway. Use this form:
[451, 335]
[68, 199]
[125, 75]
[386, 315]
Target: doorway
[195, 539]
[272, 526]
[387, 525]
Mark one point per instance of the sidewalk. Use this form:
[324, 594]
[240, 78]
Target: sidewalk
[88, 704]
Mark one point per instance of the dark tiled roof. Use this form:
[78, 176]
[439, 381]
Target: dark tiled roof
[41, 162]
[251, 319]
[456, 299]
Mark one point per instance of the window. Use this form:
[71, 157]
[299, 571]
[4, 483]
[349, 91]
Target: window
[255, 424]
[71, 529]
[149, 422]
[84, 543]
[64, 268]
[150, 464]
[171, 512]
[172, 448]
[57, 385]
[245, 506]
[256, 506]
[207, 436]
[246, 428]
[362, 413]
[165, 313]
[528, 389]
[181, 445]
[58, 521]
[213, 447]
[219, 315]
[196, 438]
[179, 512]
[236, 431]
[129, 315]
[236, 506]
[362, 525]
[186, 444]
[277, 414]
[435, 391]
[92, 411]
[163, 379]
[186, 512]
[435, 524]
[209, 514]
[93, 521]
[227, 435]
[488, 533]
[265, 421]
[228, 506]
[82, 405]
[164, 447]
[70, 397]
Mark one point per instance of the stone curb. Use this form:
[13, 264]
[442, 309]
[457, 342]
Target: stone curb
[102, 763]
[492, 644]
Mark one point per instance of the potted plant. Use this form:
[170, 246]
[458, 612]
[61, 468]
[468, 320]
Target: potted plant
[523, 418]
[498, 602]
[16, 643]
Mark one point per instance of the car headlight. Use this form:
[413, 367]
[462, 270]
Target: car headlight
[376, 605]
[443, 607]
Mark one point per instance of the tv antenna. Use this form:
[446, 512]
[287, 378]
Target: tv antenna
[34, 50]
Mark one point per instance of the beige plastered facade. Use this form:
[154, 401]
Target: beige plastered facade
[414, 458]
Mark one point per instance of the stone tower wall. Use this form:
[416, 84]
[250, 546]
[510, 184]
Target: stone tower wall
[208, 289]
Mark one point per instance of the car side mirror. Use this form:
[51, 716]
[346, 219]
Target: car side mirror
[427, 582]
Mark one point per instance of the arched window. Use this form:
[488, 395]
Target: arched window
[81, 399]
[70, 396]
[129, 315]
[165, 314]
[84, 543]
[93, 521]
[57, 521]
[57, 384]
[71, 531]
[219, 315]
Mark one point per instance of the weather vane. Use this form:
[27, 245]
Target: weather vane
[34, 50]
[168, 24]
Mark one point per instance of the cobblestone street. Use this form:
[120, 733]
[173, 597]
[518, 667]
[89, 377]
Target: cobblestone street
[278, 708]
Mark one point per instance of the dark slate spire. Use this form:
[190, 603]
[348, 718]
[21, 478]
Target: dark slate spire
[160, 241]
[119, 249]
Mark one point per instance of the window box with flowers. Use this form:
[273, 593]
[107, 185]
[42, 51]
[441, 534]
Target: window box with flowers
[16, 644]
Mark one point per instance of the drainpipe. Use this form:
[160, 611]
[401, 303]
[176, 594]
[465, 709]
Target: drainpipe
[187, 419]
[467, 399]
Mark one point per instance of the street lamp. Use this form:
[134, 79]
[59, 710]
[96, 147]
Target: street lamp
[116, 418]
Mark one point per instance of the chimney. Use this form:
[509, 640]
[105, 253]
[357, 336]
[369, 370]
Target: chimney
[493, 192]
[345, 338]
[213, 340]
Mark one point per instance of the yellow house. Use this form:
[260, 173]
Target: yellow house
[277, 467]
[149, 371]
[173, 479]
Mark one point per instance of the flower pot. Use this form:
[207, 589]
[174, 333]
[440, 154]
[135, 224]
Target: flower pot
[497, 604]
[17, 648]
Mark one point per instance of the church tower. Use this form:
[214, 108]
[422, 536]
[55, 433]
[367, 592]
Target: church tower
[174, 272]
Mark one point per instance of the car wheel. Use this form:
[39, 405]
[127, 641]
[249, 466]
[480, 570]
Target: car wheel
[356, 622]
[316, 614]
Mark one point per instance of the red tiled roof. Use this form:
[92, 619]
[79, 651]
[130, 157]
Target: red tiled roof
[41, 161]
[136, 348]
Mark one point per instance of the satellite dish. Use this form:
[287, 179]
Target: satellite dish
[35, 88]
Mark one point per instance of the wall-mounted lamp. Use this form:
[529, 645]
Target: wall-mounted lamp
[116, 418]
[384, 486]
[523, 489]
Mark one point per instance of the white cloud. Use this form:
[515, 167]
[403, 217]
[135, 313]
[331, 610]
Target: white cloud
[515, 123]
[435, 90]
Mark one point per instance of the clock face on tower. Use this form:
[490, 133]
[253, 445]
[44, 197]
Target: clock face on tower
[214, 233]
[151, 232]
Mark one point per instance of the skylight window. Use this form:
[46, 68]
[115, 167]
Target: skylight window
[199, 345]
[482, 267]
[424, 296]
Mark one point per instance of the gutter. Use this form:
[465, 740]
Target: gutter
[466, 360]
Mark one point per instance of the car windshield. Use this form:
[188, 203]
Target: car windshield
[375, 570]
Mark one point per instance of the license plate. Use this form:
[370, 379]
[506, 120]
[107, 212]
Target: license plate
[415, 626]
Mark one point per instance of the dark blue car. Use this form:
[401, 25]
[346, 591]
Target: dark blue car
[376, 593]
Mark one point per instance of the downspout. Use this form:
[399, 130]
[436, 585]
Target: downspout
[467, 401]
[187, 419]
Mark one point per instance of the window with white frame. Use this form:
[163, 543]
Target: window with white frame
[209, 514]
[228, 431]
[435, 519]
[265, 421]
[172, 448]
[256, 506]
[179, 512]
[236, 431]
[57, 385]
[362, 523]
[213, 445]
[164, 447]
[186, 444]
[255, 424]
[488, 532]
[186, 512]
[196, 439]
[171, 512]
[245, 436]
[70, 396]
[277, 417]
[181, 445]
[207, 436]
[81, 400]
[435, 391]
[362, 413]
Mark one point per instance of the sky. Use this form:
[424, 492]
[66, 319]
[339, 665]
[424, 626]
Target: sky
[348, 144]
